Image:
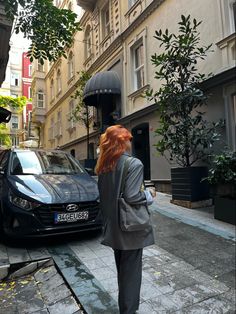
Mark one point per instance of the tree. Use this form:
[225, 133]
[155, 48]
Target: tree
[49, 28]
[82, 113]
[184, 132]
[17, 104]
[5, 139]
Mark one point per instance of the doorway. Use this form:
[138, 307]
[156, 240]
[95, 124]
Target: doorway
[141, 146]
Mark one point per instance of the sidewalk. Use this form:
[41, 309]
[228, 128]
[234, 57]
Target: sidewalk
[190, 269]
[201, 217]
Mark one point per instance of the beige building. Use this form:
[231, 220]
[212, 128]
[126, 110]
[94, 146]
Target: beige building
[118, 36]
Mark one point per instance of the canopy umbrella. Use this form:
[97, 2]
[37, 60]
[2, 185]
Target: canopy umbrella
[102, 83]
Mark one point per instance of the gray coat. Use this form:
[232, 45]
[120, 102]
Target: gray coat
[109, 189]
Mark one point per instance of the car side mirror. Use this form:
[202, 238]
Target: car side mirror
[90, 171]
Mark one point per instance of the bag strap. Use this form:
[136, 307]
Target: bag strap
[124, 175]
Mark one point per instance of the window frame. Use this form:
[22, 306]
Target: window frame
[88, 42]
[30, 70]
[12, 122]
[52, 90]
[71, 122]
[139, 68]
[59, 82]
[29, 92]
[40, 93]
[70, 65]
[15, 74]
[106, 26]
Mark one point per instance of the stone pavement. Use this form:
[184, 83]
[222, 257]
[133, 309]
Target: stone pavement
[37, 288]
[190, 269]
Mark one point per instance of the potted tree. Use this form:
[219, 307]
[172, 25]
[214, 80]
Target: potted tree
[222, 176]
[184, 135]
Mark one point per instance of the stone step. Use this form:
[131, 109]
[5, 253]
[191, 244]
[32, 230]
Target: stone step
[87, 289]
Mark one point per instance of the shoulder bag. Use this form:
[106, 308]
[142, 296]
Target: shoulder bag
[133, 217]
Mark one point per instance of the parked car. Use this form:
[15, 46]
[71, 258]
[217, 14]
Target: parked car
[46, 193]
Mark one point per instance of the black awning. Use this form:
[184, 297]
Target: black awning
[5, 115]
[102, 83]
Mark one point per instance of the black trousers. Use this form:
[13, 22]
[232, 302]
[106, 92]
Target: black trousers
[129, 274]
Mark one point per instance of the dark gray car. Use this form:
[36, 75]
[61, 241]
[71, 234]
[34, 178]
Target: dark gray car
[44, 193]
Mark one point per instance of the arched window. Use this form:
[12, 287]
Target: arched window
[58, 81]
[88, 42]
[40, 99]
[70, 65]
[52, 94]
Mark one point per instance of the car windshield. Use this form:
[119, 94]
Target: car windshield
[42, 162]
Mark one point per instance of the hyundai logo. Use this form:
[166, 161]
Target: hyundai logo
[72, 207]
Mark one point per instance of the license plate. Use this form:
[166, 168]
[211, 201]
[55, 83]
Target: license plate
[70, 217]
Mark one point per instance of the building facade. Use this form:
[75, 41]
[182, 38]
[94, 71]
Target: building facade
[13, 86]
[118, 36]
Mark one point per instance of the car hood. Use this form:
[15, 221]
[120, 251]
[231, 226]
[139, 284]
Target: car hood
[51, 189]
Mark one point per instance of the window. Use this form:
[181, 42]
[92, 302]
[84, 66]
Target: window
[229, 17]
[58, 81]
[14, 122]
[52, 94]
[138, 65]
[70, 65]
[88, 42]
[30, 70]
[29, 92]
[51, 130]
[233, 16]
[106, 20]
[59, 126]
[70, 114]
[40, 99]
[14, 95]
[30, 116]
[15, 79]
[40, 67]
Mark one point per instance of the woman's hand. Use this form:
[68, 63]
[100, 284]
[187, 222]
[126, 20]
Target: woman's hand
[153, 192]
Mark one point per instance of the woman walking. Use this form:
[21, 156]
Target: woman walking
[115, 147]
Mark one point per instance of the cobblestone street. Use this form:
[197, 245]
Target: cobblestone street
[189, 270]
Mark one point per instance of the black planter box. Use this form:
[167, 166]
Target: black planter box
[225, 209]
[186, 184]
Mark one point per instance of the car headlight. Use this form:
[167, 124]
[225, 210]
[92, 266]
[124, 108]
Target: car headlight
[22, 203]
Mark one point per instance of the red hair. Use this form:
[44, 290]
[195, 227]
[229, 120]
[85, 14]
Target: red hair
[112, 146]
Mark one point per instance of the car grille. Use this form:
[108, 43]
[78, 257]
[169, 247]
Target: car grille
[46, 213]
